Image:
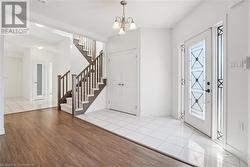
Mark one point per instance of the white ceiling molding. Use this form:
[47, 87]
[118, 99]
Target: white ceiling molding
[37, 18]
[234, 3]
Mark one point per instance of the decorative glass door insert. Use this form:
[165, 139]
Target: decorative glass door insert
[197, 69]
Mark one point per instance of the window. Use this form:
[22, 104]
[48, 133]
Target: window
[220, 111]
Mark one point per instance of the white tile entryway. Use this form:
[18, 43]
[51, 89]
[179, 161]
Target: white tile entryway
[20, 104]
[167, 135]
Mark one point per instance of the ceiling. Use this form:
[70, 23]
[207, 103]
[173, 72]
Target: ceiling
[97, 16]
[38, 36]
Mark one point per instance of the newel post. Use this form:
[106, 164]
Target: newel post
[73, 94]
[59, 92]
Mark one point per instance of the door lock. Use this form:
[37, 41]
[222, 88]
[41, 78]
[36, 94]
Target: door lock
[208, 90]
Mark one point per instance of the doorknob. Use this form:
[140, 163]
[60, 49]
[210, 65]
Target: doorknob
[208, 90]
[121, 84]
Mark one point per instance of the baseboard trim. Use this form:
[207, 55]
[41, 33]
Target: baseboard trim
[236, 152]
[2, 131]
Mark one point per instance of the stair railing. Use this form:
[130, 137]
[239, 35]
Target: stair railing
[84, 83]
[63, 88]
[88, 44]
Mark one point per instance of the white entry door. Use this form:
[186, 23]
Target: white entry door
[198, 107]
[38, 80]
[123, 82]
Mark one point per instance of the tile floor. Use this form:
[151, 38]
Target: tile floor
[20, 104]
[167, 135]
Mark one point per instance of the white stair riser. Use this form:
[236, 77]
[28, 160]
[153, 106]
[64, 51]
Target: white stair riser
[69, 102]
[66, 108]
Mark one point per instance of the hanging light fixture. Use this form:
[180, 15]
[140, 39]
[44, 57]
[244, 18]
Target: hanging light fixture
[121, 23]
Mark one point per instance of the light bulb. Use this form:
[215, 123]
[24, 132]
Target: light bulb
[116, 25]
[40, 47]
[122, 31]
[132, 26]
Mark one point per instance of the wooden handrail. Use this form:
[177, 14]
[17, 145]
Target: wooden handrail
[66, 74]
[85, 44]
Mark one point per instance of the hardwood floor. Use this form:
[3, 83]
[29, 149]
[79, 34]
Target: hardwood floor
[50, 138]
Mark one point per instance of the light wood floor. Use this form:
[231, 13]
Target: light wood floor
[50, 138]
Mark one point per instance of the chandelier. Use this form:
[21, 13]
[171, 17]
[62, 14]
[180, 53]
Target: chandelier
[121, 23]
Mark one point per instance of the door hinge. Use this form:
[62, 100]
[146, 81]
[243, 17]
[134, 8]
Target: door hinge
[182, 81]
[183, 49]
[109, 102]
[108, 59]
[136, 107]
[182, 115]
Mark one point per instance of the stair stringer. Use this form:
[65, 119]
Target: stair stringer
[92, 99]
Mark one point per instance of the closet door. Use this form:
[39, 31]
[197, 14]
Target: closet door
[123, 82]
[115, 79]
[129, 83]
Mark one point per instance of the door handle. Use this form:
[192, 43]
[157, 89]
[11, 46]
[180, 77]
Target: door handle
[208, 91]
[120, 84]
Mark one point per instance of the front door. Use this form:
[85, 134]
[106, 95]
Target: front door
[198, 107]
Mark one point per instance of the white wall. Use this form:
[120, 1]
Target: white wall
[123, 42]
[237, 78]
[99, 47]
[155, 72]
[197, 21]
[27, 76]
[30, 57]
[154, 50]
[77, 61]
[99, 103]
[1, 86]
[13, 76]
[249, 88]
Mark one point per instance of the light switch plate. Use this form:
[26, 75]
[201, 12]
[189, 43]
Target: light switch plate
[247, 63]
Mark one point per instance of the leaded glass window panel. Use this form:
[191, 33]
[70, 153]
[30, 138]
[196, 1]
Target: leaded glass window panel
[197, 71]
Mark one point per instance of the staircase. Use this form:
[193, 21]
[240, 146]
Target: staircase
[86, 46]
[77, 92]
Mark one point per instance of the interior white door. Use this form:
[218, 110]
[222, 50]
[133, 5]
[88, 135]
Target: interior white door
[115, 81]
[124, 82]
[38, 80]
[198, 107]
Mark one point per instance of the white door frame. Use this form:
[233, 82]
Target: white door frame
[213, 86]
[134, 50]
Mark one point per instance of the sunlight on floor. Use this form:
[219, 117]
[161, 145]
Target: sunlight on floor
[19, 104]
